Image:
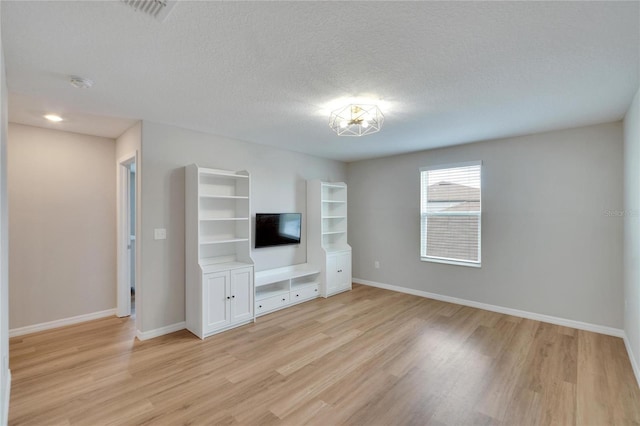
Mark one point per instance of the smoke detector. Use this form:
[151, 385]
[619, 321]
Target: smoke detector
[158, 9]
[80, 82]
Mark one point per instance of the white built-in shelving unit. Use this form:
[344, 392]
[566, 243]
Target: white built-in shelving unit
[327, 247]
[219, 269]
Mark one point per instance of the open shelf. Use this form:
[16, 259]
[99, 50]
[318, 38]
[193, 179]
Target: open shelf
[207, 219]
[231, 197]
[283, 274]
[205, 241]
[267, 293]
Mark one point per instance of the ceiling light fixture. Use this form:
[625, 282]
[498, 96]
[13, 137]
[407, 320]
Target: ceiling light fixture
[53, 117]
[356, 120]
[80, 82]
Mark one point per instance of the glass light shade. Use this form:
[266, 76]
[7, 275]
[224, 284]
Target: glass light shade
[356, 120]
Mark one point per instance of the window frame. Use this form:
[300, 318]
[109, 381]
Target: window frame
[424, 217]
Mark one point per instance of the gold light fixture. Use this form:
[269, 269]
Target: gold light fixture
[53, 117]
[356, 120]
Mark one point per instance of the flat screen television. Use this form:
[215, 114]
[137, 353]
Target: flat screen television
[277, 229]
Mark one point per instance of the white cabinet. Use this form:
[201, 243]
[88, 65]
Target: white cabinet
[227, 298]
[282, 287]
[327, 247]
[219, 270]
[241, 295]
[338, 272]
[215, 293]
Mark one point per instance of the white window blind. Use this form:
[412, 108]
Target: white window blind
[450, 213]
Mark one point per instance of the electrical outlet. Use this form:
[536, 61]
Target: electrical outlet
[160, 234]
[376, 264]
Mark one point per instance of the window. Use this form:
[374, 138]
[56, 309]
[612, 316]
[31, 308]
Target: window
[450, 213]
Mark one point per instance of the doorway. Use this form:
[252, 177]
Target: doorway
[127, 231]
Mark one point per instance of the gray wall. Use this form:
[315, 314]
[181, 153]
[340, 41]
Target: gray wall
[548, 246]
[278, 185]
[4, 246]
[62, 252]
[632, 227]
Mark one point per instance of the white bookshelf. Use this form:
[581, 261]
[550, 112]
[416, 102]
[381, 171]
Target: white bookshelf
[327, 247]
[219, 269]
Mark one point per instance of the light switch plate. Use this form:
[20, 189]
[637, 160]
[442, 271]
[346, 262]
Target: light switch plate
[160, 234]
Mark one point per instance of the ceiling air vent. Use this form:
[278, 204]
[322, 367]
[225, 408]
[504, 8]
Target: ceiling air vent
[158, 9]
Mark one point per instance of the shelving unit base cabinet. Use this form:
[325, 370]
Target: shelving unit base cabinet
[227, 302]
[338, 273]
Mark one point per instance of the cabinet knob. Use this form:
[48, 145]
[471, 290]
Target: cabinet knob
[259, 306]
[315, 289]
[297, 295]
[233, 297]
[228, 298]
[284, 300]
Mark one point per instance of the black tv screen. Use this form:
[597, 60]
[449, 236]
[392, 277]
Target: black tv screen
[276, 229]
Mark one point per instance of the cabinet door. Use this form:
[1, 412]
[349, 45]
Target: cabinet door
[216, 304]
[344, 271]
[241, 294]
[332, 274]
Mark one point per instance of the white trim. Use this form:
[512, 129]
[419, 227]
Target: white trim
[617, 332]
[450, 261]
[123, 232]
[146, 335]
[7, 397]
[60, 323]
[634, 363]
[451, 165]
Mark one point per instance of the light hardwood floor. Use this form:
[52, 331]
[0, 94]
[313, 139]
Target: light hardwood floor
[367, 357]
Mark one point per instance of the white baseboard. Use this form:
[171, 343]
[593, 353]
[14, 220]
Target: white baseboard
[634, 363]
[7, 397]
[500, 309]
[146, 335]
[60, 323]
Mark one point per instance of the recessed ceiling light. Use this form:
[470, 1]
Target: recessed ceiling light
[53, 117]
[80, 82]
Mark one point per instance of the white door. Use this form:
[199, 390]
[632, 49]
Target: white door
[126, 233]
[344, 271]
[332, 275]
[241, 294]
[216, 301]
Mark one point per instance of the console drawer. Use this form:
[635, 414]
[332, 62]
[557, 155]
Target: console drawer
[270, 303]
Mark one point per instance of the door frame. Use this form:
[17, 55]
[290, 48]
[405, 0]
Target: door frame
[123, 229]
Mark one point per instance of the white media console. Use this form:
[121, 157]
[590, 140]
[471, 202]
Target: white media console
[282, 287]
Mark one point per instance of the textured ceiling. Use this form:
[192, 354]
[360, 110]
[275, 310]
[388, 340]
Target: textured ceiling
[444, 73]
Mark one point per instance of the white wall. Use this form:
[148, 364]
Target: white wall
[632, 231]
[548, 246]
[5, 375]
[278, 185]
[63, 225]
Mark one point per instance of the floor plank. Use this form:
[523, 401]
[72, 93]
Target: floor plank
[366, 357]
